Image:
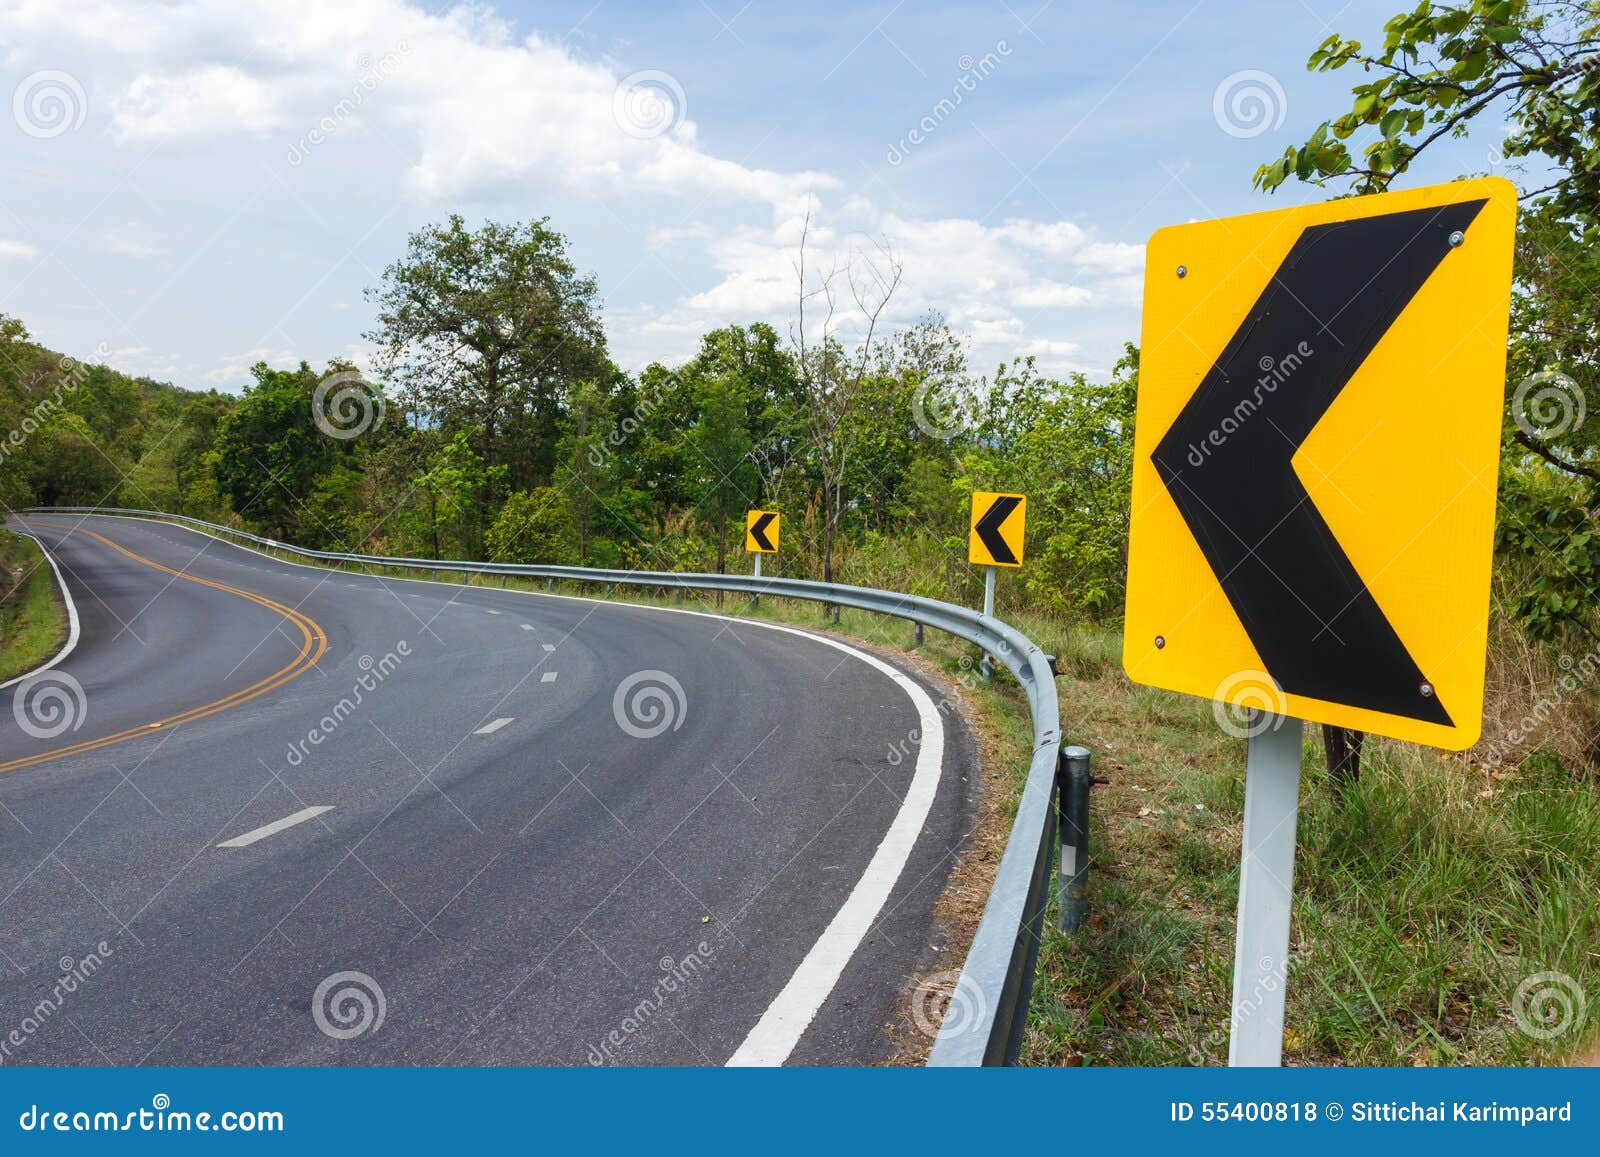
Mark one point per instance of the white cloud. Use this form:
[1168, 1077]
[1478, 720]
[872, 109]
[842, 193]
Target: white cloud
[233, 371]
[195, 103]
[1047, 294]
[132, 240]
[17, 251]
[459, 108]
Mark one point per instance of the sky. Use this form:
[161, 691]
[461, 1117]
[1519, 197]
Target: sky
[191, 187]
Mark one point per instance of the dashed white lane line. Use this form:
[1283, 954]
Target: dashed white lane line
[548, 677]
[275, 827]
[492, 612]
[491, 728]
[549, 646]
[527, 626]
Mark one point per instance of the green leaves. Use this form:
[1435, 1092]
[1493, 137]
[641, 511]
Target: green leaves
[1442, 68]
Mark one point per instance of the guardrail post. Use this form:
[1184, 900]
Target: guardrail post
[1072, 780]
[916, 635]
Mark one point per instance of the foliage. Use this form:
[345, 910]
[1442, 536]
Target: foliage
[487, 331]
[1441, 66]
[533, 527]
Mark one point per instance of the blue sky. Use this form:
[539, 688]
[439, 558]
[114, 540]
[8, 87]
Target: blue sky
[192, 187]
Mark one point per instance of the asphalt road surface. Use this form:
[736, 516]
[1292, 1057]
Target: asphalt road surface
[551, 830]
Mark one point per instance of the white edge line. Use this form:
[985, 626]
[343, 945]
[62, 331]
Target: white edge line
[791, 1012]
[275, 827]
[789, 1015]
[72, 614]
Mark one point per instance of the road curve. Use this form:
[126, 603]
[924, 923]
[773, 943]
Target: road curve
[393, 822]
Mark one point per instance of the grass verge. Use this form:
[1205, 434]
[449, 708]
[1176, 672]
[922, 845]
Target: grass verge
[1426, 899]
[33, 621]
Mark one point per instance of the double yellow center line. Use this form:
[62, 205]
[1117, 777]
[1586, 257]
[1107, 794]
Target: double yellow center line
[314, 644]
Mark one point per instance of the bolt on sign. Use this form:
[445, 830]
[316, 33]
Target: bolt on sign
[1316, 452]
[761, 531]
[997, 525]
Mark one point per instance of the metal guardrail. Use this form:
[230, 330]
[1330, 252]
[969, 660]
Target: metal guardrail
[992, 992]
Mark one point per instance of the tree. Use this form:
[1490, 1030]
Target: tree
[269, 451]
[724, 476]
[1441, 67]
[533, 527]
[831, 379]
[583, 476]
[487, 331]
[457, 491]
[1077, 458]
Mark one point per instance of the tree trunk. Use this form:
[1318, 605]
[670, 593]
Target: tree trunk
[1342, 745]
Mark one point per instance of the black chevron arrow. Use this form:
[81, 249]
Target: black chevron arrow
[758, 529]
[988, 528]
[1226, 461]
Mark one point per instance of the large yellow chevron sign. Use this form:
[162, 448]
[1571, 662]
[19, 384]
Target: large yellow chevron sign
[1315, 459]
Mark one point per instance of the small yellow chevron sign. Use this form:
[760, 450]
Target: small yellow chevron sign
[997, 526]
[761, 531]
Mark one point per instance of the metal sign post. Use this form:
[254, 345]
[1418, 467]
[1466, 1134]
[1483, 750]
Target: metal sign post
[1266, 890]
[986, 665]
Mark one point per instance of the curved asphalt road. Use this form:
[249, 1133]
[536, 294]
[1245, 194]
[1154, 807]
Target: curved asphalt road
[548, 890]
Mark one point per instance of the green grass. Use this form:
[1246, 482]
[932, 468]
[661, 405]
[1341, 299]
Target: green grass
[1423, 899]
[32, 619]
[1425, 896]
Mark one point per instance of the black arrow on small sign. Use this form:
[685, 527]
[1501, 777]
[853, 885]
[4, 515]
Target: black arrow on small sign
[988, 528]
[758, 529]
[1227, 460]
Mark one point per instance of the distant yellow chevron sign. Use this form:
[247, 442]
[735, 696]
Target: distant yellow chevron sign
[998, 521]
[761, 531]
